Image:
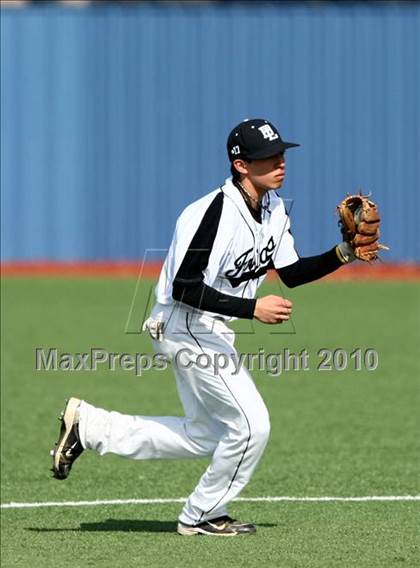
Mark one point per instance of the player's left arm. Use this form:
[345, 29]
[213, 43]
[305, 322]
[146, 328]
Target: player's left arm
[294, 270]
[310, 268]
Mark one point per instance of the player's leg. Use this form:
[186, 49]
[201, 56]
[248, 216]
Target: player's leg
[232, 399]
[148, 437]
[85, 426]
[238, 451]
[139, 437]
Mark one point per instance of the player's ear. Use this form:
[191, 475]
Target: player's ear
[240, 165]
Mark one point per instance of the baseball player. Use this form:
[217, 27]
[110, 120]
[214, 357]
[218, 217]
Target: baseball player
[222, 247]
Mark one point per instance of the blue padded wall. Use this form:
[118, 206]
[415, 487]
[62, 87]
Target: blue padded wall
[114, 118]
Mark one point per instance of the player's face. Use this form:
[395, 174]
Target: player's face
[268, 173]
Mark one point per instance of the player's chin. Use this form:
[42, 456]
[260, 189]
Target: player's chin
[276, 183]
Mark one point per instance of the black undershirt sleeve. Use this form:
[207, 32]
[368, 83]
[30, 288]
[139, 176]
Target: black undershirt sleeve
[309, 268]
[189, 287]
[209, 299]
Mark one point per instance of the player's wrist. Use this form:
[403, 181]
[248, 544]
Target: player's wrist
[255, 309]
[345, 253]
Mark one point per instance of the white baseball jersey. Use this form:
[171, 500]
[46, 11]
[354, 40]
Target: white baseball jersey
[217, 241]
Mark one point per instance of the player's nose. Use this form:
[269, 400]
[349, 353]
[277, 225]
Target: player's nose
[281, 163]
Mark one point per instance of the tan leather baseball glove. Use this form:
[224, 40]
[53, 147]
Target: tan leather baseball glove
[360, 226]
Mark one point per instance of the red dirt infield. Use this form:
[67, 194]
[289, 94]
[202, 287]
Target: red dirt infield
[133, 269]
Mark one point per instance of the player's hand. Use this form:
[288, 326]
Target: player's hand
[272, 309]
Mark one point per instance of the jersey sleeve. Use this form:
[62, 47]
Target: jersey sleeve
[285, 253]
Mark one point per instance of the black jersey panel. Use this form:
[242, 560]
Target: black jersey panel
[188, 286]
[196, 258]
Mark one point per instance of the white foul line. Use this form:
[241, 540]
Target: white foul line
[37, 505]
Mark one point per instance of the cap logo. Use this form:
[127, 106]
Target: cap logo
[235, 150]
[268, 132]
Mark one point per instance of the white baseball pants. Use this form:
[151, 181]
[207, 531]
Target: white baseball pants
[225, 416]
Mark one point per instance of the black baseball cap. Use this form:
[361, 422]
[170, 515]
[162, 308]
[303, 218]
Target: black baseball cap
[256, 139]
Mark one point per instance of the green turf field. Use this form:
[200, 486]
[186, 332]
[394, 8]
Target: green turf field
[334, 433]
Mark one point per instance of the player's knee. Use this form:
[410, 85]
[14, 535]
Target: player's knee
[207, 448]
[204, 439]
[260, 431]
[255, 431]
